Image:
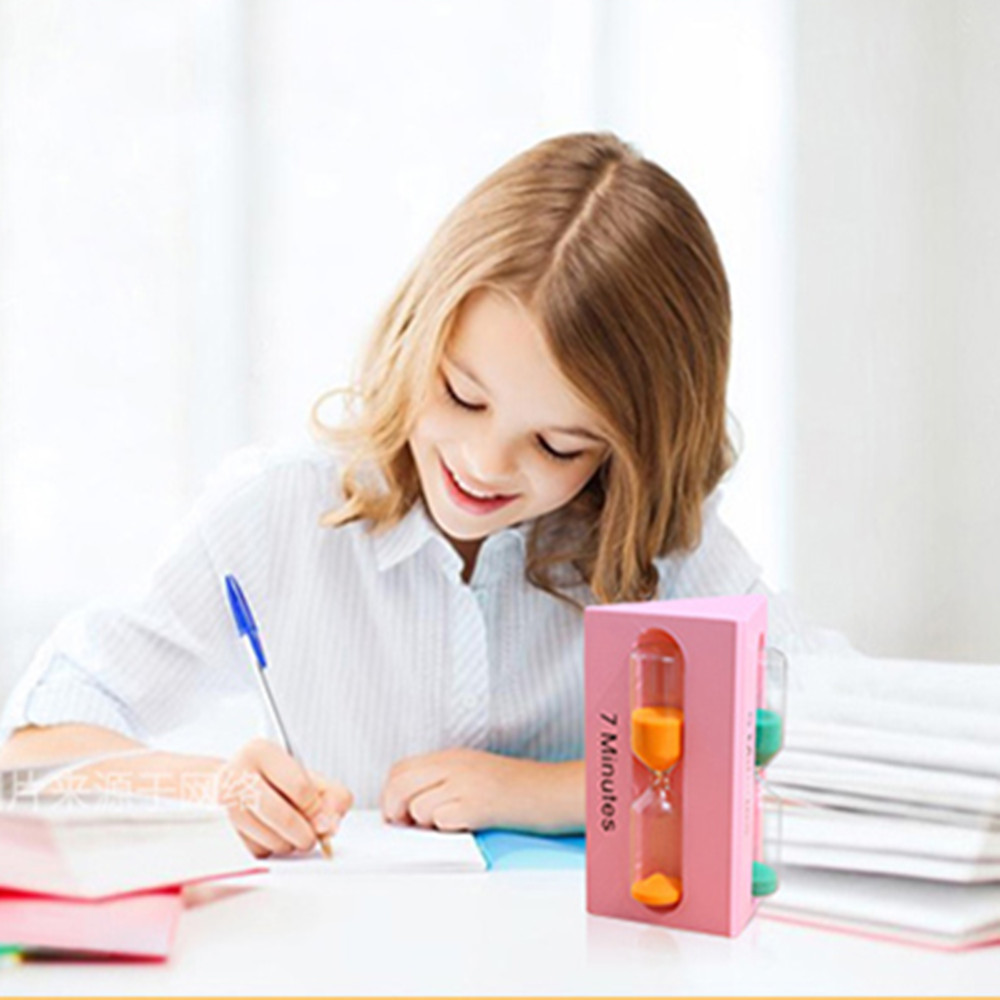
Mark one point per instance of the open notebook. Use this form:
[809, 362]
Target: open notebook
[366, 843]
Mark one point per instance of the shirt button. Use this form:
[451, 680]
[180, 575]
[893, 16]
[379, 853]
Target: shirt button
[467, 702]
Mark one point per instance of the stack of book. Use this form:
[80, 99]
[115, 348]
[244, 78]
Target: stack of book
[102, 875]
[889, 796]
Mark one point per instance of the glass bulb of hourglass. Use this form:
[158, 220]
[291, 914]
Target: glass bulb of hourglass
[657, 808]
[656, 847]
[660, 790]
[656, 707]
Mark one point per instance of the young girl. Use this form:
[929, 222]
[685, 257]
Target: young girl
[539, 424]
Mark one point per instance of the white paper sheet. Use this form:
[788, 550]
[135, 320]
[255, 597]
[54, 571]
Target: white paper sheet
[366, 843]
[913, 909]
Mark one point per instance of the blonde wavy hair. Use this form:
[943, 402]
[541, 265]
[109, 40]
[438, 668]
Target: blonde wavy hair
[614, 259]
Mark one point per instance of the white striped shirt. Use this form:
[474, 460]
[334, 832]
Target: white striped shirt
[377, 648]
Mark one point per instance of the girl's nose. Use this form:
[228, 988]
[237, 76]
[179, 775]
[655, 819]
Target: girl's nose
[491, 465]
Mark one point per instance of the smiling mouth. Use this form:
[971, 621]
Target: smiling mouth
[476, 502]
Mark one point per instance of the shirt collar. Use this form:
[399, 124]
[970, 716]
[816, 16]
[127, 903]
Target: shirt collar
[500, 555]
[416, 529]
[405, 539]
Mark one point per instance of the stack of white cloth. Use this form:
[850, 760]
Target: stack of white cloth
[889, 795]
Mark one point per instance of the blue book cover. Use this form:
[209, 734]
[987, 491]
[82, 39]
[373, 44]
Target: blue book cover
[507, 850]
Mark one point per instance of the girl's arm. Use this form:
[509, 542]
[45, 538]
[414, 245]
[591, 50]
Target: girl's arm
[118, 762]
[276, 806]
[41, 744]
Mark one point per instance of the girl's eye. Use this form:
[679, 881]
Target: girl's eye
[547, 449]
[559, 456]
[457, 400]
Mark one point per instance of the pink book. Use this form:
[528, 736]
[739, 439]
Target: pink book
[141, 926]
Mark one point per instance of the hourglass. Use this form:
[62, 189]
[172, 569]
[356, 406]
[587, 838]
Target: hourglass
[769, 738]
[656, 668]
[674, 811]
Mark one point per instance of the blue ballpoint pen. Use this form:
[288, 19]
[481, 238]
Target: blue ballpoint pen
[246, 625]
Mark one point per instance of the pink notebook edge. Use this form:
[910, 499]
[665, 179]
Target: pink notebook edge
[256, 869]
[139, 927]
[901, 937]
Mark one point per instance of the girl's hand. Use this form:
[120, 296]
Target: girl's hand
[276, 805]
[464, 789]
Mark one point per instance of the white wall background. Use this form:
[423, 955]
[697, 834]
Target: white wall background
[204, 203]
[897, 340]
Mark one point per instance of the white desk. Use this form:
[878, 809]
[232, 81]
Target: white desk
[491, 933]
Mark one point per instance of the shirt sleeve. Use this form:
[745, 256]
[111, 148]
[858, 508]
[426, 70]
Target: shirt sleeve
[160, 661]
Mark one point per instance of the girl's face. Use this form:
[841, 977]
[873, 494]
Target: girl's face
[502, 437]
